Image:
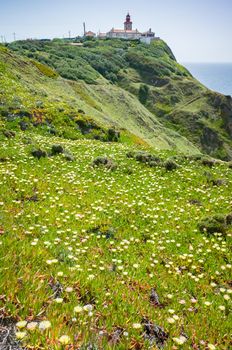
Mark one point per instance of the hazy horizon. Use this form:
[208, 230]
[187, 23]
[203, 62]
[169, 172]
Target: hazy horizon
[196, 31]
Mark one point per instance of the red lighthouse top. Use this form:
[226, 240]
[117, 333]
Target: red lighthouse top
[128, 18]
[128, 23]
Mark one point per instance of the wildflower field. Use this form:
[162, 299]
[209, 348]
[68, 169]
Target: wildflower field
[118, 253]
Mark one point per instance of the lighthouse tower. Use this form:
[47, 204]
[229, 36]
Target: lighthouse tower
[128, 23]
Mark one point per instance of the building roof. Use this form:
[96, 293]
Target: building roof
[124, 31]
[90, 33]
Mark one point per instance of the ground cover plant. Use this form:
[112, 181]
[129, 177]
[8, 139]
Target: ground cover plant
[122, 257]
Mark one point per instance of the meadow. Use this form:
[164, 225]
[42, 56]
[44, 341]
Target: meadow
[113, 257]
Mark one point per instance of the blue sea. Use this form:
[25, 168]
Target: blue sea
[216, 76]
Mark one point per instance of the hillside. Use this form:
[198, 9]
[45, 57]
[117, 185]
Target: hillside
[33, 93]
[106, 71]
[115, 230]
[116, 252]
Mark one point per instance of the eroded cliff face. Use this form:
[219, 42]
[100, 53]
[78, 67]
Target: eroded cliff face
[224, 105]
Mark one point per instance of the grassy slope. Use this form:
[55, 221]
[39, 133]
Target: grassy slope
[178, 100]
[56, 98]
[182, 103]
[110, 237]
[105, 238]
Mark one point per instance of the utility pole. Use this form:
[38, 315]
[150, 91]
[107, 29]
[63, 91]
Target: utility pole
[2, 39]
[84, 28]
[14, 34]
[69, 34]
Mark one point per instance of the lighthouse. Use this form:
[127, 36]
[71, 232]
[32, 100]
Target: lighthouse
[128, 23]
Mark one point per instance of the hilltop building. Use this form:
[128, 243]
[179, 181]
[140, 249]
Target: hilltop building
[129, 33]
[90, 34]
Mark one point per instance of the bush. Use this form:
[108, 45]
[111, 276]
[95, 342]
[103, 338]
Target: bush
[113, 135]
[213, 224]
[170, 165]
[69, 156]
[9, 134]
[105, 162]
[57, 149]
[39, 153]
[143, 93]
[208, 162]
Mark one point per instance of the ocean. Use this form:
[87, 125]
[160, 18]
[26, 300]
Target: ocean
[216, 76]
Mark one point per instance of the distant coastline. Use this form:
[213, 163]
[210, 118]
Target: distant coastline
[216, 76]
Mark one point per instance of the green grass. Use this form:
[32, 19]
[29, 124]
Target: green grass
[109, 237]
[128, 65]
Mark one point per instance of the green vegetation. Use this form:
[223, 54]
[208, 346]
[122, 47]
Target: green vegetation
[152, 75]
[115, 230]
[83, 247]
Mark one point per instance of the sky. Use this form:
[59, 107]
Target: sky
[196, 30]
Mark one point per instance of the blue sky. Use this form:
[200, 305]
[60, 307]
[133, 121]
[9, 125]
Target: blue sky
[196, 30]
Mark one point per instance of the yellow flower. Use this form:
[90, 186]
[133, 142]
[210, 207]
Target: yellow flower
[20, 335]
[64, 340]
[21, 324]
[180, 341]
[78, 309]
[137, 325]
[32, 325]
[44, 325]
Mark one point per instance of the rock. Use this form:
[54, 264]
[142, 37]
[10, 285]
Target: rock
[8, 339]
[115, 337]
[154, 333]
[154, 299]
[210, 140]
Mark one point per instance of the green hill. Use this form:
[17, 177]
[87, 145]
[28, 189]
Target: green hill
[111, 71]
[115, 231]
[33, 92]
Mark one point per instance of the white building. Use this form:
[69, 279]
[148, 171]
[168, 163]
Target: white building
[129, 33]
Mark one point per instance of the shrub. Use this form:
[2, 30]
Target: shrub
[208, 162]
[113, 135]
[143, 93]
[213, 224]
[39, 153]
[170, 165]
[9, 133]
[57, 149]
[105, 162]
[229, 219]
[69, 156]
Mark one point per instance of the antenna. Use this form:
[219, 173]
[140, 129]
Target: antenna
[84, 28]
